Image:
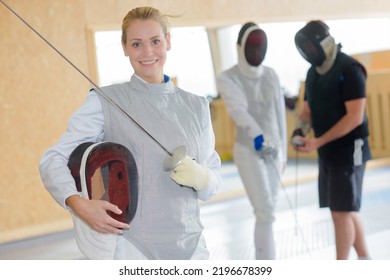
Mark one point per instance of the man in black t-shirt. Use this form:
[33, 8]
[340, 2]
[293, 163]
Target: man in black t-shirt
[334, 107]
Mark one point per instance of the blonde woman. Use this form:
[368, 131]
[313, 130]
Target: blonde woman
[166, 224]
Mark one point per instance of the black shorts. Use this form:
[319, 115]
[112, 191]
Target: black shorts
[340, 187]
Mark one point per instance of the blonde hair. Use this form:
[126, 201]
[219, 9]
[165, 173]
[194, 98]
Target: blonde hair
[144, 13]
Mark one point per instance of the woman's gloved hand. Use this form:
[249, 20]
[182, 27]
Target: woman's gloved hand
[191, 174]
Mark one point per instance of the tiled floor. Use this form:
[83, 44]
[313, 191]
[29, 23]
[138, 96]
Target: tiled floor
[302, 230]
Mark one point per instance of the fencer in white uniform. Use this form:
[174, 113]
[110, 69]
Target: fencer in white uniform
[254, 99]
[166, 224]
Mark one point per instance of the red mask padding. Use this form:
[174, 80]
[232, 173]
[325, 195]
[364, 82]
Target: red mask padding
[119, 172]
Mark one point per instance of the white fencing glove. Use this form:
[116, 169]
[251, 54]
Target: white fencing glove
[191, 174]
[268, 151]
[264, 148]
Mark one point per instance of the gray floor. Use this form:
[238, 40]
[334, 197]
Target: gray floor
[302, 230]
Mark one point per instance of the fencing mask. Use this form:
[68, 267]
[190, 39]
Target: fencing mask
[251, 49]
[104, 171]
[311, 42]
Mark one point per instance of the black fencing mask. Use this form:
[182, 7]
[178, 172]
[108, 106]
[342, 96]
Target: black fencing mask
[308, 41]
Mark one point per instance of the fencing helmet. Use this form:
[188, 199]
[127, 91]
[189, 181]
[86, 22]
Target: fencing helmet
[251, 49]
[104, 171]
[314, 42]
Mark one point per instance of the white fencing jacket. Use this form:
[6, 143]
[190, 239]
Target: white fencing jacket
[256, 105]
[167, 224]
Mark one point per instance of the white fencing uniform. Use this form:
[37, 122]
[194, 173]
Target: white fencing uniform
[255, 101]
[166, 224]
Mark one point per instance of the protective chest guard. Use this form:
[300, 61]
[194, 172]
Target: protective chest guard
[117, 184]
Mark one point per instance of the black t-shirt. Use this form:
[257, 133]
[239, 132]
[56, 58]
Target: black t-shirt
[353, 83]
[326, 95]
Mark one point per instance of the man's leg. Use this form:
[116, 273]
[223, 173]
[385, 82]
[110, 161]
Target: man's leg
[360, 240]
[344, 233]
[349, 232]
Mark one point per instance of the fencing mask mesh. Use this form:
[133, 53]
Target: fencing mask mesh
[308, 41]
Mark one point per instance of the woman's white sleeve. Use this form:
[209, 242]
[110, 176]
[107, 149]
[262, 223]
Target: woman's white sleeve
[85, 125]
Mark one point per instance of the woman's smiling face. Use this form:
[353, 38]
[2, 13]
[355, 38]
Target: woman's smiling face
[146, 46]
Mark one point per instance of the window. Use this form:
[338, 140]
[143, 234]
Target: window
[112, 65]
[190, 61]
